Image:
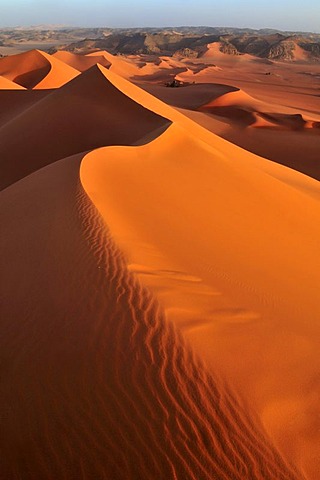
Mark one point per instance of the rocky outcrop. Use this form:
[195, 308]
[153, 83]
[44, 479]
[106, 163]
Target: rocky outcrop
[282, 51]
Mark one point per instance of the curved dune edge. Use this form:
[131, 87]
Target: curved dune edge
[36, 69]
[222, 147]
[238, 105]
[100, 384]
[243, 228]
[60, 73]
[118, 65]
[26, 69]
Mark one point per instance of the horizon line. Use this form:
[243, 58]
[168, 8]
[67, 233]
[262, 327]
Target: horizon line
[64, 26]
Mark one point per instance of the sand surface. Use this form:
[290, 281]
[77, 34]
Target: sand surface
[160, 312]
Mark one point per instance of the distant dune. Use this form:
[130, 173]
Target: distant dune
[81, 62]
[36, 69]
[159, 313]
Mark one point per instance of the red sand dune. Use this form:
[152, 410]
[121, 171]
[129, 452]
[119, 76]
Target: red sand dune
[105, 386]
[81, 62]
[87, 113]
[190, 96]
[36, 69]
[235, 98]
[124, 67]
[198, 74]
[159, 315]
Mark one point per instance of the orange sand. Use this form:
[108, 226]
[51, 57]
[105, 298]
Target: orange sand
[36, 69]
[160, 313]
[81, 62]
[6, 84]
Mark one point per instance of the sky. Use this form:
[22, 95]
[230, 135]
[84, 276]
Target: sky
[278, 14]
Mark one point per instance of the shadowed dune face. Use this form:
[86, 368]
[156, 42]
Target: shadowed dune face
[87, 113]
[33, 77]
[104, 386]
[13, 103]
[26, 69]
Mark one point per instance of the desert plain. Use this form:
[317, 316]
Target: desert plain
[160, 266]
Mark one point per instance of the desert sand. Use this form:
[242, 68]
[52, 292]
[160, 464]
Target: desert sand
[159, 277]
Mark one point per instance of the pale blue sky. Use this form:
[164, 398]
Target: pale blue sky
[279, 14]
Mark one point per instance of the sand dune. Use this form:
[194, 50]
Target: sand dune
[199, 73]
[26, 69]
[225, 206]
[105, 385]
[81, 62]
[59, 73]
[189, 96]
[213, 49]
[286, 155]
[239, 106]
[36, 69]
[235, 97]
[124, 67]
[84, 114]
[159, 314]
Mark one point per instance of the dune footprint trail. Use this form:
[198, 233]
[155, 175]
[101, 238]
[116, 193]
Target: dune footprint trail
[104, 387]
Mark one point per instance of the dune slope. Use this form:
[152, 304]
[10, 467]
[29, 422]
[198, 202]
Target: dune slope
[235, 274]
[14, 102]
[97, 383]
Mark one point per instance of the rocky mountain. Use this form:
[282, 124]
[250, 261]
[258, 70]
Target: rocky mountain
[274, 46]
[179, 41]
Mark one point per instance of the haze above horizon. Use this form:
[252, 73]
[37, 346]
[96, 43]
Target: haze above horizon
[282, 15]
